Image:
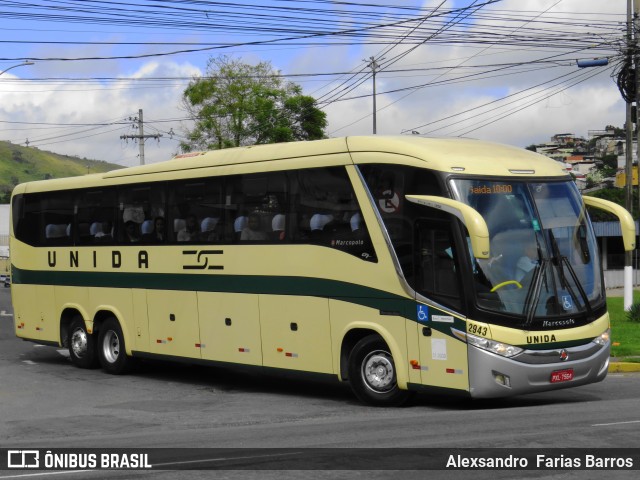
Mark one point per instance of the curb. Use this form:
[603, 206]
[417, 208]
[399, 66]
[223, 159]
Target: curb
[624, 367]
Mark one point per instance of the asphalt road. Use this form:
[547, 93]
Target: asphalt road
[47, 403]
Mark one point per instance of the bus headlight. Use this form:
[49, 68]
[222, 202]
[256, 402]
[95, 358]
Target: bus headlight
[603, 338]
[499, 348]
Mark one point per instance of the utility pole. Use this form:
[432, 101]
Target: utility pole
[141, 137]
[633, 45]
[374, 68]
[628, 203]
[636, 63]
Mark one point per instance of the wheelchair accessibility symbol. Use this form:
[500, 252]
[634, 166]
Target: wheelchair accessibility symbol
[423, 313]
[567, 303]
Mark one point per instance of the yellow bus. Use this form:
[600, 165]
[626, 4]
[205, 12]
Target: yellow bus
[397, 264]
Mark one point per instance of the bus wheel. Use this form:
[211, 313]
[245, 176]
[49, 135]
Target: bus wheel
[82, 345]
[111, 349]
[372, 373]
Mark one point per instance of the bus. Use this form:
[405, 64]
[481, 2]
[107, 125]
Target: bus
[396, 264]
[5, 263]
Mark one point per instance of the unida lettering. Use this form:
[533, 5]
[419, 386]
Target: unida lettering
[541, 338]
[77, 259]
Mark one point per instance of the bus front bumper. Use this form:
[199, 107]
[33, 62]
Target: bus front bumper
[494, 376]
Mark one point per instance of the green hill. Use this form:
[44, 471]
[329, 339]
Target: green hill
[22, 164]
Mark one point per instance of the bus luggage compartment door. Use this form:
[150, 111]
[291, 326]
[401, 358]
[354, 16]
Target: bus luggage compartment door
[296, 333]
[230, 327]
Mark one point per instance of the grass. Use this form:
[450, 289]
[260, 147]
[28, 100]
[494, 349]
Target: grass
[625, 334]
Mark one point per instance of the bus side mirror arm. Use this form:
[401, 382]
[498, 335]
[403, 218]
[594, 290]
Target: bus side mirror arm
[478, 230]
[627, 224]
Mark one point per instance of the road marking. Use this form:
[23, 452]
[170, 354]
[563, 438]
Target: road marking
[24, 475]
[615, 423]
[29, 362]
[224, 459]
[5, 314]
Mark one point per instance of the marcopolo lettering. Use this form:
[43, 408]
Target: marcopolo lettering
[78, 259]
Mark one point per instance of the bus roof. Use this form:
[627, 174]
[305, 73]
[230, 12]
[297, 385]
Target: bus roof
[472, 157]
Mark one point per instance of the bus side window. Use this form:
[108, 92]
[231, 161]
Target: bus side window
[46, 219]
[96, 213]
[141, 207]
[262, 207]
[329, 212]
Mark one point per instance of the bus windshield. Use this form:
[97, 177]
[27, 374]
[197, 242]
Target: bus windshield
[544, 260]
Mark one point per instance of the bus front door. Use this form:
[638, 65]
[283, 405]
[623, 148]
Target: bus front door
[443, 358]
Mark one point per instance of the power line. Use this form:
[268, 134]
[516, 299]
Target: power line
[317, 23]
[502, 117]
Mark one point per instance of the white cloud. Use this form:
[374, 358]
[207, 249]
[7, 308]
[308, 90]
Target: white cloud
[590, 105]
[98, 103]
[587, 106]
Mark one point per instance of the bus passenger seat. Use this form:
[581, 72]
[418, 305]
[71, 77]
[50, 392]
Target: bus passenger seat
[238, 225]
[318, 221]
[317, 224]
[96, 227]
[179, 224]
[355, 222]
[208, 230]
[208, 224]
[277, 226]
[147, 227]
[53, 230]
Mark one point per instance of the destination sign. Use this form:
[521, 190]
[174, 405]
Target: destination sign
[491, 189]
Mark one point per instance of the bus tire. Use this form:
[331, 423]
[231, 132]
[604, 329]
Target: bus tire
[372, 373]
[81, 344]
[111, 348]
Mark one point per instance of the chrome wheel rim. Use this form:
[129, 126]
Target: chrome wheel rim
[111, 346]
[79, 342]
[378, 372]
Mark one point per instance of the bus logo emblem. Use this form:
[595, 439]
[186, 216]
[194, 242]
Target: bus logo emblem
[201, 259]
[23, 459]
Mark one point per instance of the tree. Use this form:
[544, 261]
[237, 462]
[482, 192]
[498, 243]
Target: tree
[610, 161]
[616, 195]
[238, 104]
[617, 131]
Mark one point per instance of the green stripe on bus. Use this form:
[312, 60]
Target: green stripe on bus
[250, 284]
[255, 284]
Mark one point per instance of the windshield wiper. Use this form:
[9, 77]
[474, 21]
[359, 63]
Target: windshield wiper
[533, 295]
[557, 258]
[560, 261]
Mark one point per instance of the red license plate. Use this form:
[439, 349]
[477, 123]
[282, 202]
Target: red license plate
[562, 375]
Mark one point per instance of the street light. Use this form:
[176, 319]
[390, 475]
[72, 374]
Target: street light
[18, 65]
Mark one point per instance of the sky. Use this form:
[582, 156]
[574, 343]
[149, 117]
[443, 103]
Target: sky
[503, 71]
